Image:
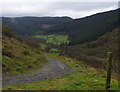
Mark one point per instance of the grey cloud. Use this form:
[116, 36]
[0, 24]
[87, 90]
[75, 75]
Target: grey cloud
[72, 9]
[82, 5]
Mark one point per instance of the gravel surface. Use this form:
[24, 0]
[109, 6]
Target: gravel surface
[53, 69]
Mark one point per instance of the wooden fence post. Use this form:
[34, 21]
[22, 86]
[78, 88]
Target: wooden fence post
[109, 67]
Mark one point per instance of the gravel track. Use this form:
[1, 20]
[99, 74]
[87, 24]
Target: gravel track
[53, 69]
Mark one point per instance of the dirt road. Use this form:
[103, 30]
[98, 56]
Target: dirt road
[53, 69]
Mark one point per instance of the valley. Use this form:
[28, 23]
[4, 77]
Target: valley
[60, 53]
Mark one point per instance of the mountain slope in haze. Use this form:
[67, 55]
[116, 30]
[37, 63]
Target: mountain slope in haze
[19, 55]
[30, 25]
[88, 28]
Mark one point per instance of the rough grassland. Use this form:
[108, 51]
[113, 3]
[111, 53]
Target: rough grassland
[20, 58]
[54, 39]
[82, 78]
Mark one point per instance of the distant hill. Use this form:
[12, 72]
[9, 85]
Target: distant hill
[19, 54]
[79, 30]
[88, 28]
[30, 25]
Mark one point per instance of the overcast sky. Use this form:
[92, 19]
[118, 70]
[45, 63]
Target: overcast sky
[17, 8]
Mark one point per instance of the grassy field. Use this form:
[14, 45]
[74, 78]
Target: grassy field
[43, 46]
[83, 77]
[52, 50]
[54, 39]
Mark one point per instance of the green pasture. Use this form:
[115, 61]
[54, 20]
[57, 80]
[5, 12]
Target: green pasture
[54, 39]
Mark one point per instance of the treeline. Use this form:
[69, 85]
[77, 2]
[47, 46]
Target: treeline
[89, 28]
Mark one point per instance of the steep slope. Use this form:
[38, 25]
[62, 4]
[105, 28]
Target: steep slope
[94, 53]
[99, 47]
[19, 55]
[30, 25]
[88, 28]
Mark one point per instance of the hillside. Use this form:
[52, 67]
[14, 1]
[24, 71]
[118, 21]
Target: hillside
[99, 47]
[89, 28]
[79, 30]
[94, 53]
[30, 25]
[19, 54]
